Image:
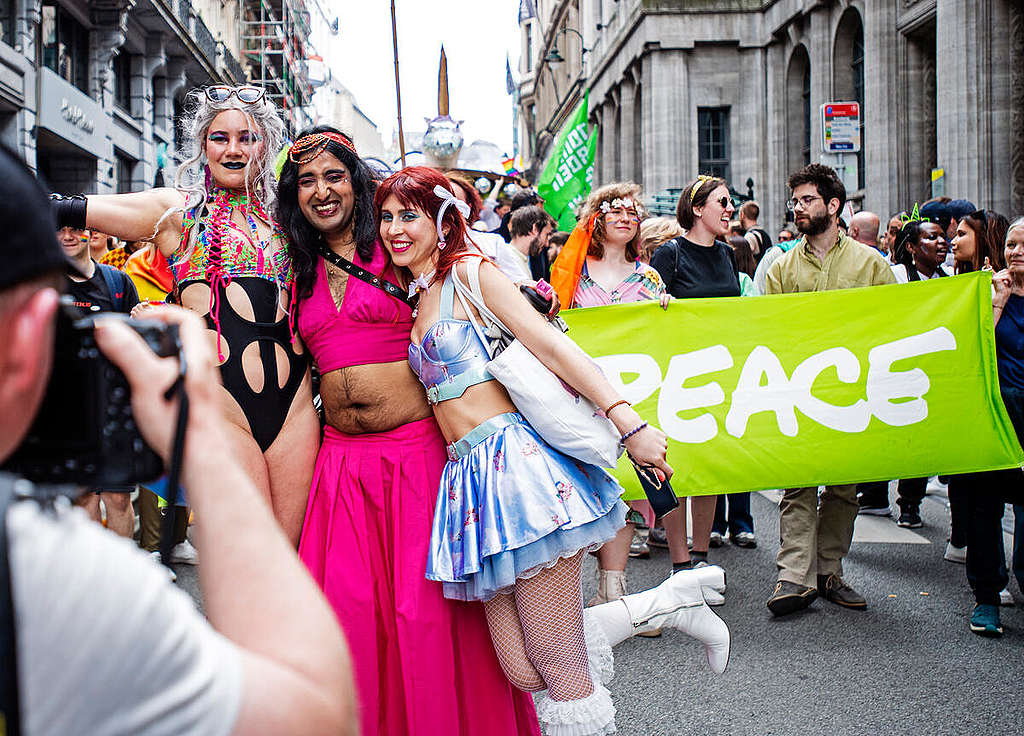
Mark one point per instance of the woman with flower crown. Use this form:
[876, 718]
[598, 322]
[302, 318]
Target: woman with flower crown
[231, 264]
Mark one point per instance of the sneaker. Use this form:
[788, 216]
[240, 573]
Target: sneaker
[834, 588]
[747, 540]
[171, 575]
[1006, 598]
[985, 620]
[184, 554]
[868, 510]
[638, 547]
[909, 519]
[955, 554]
[657, 538]
[716, 540]
[936, 485]
[790, 597]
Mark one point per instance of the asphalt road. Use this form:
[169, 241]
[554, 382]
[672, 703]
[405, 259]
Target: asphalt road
[907, 665]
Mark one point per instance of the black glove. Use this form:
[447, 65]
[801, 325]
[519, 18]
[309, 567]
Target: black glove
[69, 210]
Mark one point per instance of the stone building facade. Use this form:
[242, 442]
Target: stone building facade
[89, 91]
[678, 87]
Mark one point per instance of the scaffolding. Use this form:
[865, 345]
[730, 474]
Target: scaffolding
[275, 47]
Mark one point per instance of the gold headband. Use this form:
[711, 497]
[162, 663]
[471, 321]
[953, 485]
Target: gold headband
[701, 178]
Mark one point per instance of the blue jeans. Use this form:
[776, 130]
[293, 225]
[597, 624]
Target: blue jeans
[739, 519]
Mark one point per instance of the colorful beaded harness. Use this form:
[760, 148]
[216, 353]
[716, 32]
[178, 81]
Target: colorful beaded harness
[214, 260]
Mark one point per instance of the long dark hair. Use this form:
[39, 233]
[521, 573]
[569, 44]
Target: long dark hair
[909, 234]
[304, 239]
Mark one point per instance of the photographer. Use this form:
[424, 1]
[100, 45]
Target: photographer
[128, 653]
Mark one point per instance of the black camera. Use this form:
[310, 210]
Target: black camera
[85, 433]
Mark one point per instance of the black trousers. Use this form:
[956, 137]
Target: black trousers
[986, 557]
[911, 491]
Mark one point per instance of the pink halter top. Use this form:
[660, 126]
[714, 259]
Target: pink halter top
[370, 327]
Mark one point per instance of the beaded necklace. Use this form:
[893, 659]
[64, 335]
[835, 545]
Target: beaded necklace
[221, 261]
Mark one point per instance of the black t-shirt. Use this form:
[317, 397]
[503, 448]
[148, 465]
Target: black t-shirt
[93, 295]
[690, 270]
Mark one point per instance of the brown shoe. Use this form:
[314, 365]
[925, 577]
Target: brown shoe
[834, 588]
[790, 597]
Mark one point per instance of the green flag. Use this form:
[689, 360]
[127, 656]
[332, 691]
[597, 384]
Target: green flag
[569, 173]
[808, 389]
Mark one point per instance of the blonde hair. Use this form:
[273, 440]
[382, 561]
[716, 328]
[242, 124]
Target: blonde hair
[654, 232]
[191, 177]
[617, 190]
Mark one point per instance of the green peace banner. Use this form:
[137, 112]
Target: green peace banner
[797, 390]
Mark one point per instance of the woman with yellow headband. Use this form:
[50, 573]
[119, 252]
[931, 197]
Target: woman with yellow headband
[698, 264]
[231, 264]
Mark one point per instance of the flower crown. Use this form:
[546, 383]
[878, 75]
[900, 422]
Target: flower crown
[624, 203]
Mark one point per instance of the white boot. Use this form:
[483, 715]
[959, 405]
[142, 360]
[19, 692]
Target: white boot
[611, 585]
[679, 603]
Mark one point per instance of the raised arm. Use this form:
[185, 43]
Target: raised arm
[135, 216]
[567, 360]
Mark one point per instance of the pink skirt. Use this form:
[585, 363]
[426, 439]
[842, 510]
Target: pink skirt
[423, 664]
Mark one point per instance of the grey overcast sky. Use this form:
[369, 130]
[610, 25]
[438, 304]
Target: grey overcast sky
[476, 35]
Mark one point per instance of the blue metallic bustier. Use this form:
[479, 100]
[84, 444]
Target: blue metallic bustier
[451, 357]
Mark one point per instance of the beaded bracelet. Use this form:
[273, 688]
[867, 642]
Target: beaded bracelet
[630, 433]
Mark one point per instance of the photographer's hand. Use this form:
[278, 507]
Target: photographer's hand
[150, 376]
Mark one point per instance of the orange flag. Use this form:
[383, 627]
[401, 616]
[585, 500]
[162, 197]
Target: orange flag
[566, 270]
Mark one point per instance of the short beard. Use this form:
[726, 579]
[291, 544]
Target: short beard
[535, 246]
[815, 225]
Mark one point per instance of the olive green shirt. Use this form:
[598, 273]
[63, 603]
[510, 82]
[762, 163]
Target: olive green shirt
[847, 265]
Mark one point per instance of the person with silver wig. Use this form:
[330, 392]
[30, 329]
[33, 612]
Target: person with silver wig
[230, 261]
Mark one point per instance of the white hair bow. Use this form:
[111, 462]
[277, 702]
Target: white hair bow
[448, 199]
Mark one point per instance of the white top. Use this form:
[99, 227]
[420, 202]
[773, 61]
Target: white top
[106, 644]
[510, 261]
[902, 277]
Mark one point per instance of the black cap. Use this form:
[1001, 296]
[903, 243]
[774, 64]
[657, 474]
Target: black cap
[29, 245]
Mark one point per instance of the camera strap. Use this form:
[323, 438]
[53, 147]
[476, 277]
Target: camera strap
[10, 718]
[177, 455]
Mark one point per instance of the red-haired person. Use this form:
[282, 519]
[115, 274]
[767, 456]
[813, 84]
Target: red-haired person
[514, 517]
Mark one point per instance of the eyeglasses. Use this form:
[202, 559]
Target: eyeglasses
[247, 94]
[980, 215]
[724, 202]
[803, 202]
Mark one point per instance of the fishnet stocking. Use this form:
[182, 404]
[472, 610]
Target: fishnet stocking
[538, 632]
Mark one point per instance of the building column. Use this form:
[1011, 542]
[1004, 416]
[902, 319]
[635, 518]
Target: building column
[883, 151]
[1016, 27]
[606, 167]
[144, 70]
[627, 100]
[668, 162]
[973, 90]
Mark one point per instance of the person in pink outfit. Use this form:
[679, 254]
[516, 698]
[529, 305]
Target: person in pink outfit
[423, 664]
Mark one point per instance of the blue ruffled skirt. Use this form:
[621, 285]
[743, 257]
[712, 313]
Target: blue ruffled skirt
[509, 506]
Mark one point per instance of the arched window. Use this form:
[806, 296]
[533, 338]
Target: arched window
[798, 110]
[848, 66]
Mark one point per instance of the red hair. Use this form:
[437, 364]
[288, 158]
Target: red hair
[413, 186]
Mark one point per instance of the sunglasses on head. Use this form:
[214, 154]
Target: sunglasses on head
[247, 94]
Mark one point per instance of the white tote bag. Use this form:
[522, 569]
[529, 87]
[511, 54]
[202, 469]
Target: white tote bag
[567, 421]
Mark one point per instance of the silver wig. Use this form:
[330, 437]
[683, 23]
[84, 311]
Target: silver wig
[195, 121]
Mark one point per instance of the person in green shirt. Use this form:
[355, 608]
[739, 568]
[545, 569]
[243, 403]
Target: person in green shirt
[815, 537]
